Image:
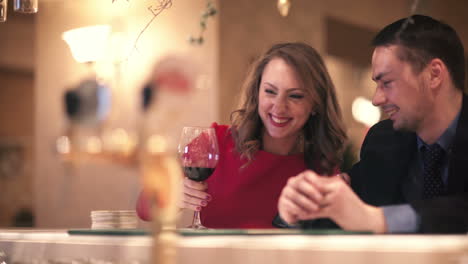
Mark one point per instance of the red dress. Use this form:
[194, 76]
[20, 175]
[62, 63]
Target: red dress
[246, 197]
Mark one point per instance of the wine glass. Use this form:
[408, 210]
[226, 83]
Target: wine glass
[199, 155]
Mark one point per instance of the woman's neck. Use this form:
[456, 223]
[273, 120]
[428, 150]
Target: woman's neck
[281, 146]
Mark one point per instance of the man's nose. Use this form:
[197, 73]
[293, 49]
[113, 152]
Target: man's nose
[379, 97]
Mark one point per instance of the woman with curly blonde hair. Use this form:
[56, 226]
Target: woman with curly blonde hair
[288, 121]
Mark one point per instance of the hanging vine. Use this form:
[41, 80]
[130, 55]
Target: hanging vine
[156, 9]
[210, 11]
[409, 20]
[161, 5]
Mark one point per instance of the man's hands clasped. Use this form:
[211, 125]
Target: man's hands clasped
[311, 196]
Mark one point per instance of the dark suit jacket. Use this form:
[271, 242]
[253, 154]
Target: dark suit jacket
[385, 161]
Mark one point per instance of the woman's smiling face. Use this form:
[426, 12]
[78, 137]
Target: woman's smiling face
[284, 106]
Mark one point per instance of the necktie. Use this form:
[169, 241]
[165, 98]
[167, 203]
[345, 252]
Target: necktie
[433, 157]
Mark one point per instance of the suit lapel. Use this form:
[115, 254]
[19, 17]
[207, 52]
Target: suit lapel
[386, 157]
[458, 159]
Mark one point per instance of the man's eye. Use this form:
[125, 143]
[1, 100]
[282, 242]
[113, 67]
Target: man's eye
[297, 96]
[387, 83]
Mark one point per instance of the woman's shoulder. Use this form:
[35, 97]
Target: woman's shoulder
[221, 130]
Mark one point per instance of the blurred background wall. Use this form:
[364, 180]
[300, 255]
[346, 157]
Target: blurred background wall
[17, 102]
[36, 67]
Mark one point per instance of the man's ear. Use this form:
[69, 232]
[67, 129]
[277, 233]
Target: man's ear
[437, 73]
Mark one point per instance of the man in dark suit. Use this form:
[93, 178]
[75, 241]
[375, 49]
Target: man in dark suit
[413, 172]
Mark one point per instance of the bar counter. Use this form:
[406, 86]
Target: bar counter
[60, 247]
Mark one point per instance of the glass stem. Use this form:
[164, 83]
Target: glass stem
[196, 222]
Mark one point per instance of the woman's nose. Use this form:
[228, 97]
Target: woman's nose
[280, 104]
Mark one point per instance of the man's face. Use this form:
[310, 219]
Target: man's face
[401, 93]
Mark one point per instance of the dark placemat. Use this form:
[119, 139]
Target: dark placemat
[217, 232]
[262, 232]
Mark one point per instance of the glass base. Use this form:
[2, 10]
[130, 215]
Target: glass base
[196, 222]
[198, 227]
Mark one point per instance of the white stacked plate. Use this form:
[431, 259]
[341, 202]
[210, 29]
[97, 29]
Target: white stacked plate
[114, 219]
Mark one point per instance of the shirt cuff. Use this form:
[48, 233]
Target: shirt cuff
[280, 223]
[401, 218]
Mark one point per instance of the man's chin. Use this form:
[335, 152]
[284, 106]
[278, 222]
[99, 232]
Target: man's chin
[401, 126]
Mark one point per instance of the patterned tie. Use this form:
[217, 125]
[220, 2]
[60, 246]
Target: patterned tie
[433, 157]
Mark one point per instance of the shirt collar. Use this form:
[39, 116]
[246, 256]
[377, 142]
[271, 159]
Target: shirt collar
[446, 139]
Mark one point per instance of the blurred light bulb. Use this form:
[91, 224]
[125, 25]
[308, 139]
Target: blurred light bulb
[93, 145]
[283, 7]
[3, 10]
[63, 145]
[156, 144]
[365, 112]
[120, 141]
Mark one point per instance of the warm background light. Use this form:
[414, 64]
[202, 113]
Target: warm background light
[283, 7]
[87, 44]
[365, 112]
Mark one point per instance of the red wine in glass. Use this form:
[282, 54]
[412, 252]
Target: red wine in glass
[199, 154]
[198, 173]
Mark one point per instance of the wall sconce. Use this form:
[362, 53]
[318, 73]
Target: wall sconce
[87, 44]
[283, 7]
[90, 133]
[87, 103]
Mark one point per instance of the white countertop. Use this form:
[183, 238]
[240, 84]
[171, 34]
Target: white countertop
[57, 246]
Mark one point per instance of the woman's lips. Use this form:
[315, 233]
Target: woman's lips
[279, 121]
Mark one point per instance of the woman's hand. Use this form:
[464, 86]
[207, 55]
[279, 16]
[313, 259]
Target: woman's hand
[194, 195]
[343, 206]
